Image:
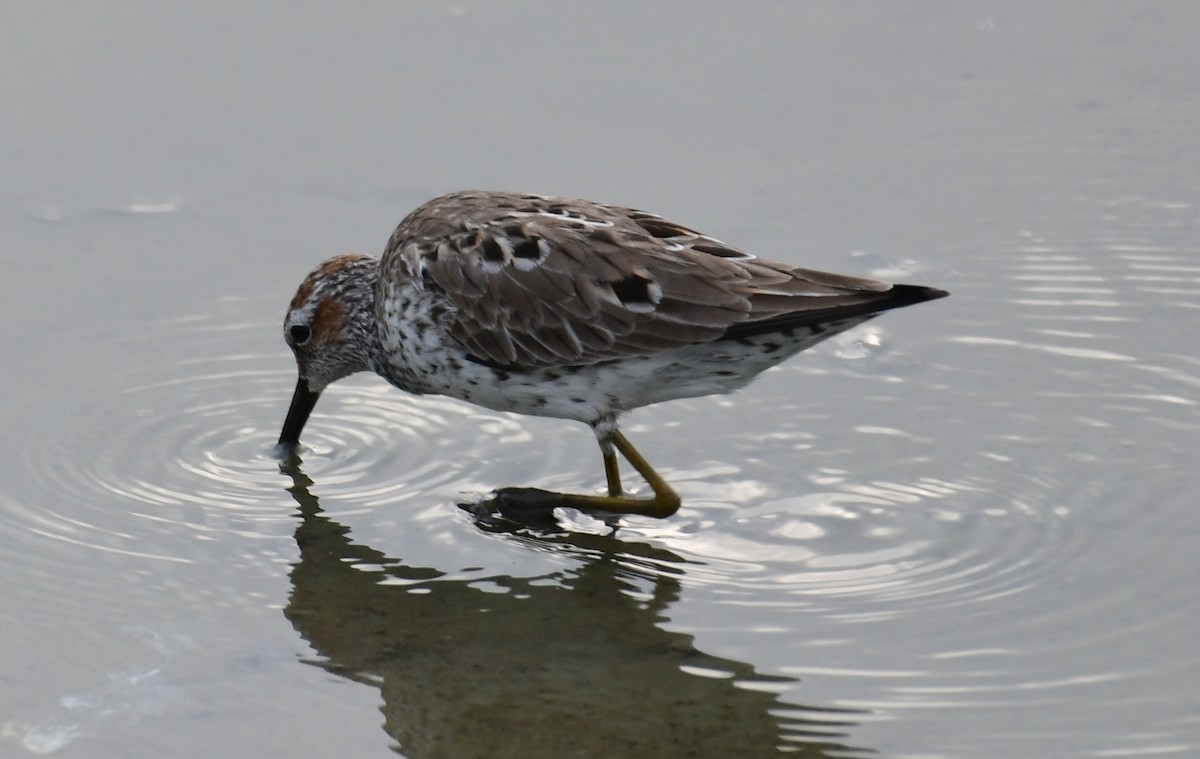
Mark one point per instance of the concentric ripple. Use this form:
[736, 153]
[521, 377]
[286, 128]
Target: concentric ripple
[880, 549]
[175, 436]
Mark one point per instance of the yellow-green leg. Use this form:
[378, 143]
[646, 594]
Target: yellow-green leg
[612, 472]
[663, 503]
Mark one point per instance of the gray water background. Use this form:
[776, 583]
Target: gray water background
[968, 529]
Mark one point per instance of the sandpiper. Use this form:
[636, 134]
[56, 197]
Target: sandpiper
[564, 308]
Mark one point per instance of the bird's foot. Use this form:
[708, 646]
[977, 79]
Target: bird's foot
[527, 506]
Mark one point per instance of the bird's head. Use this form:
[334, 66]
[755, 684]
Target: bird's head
[329, 326]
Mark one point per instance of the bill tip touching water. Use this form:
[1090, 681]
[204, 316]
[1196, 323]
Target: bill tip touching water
[564, 308]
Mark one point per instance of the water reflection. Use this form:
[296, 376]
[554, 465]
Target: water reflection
[574, 663]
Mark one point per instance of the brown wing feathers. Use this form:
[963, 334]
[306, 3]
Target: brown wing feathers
[543, 281]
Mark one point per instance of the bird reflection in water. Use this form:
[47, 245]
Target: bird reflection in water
[572, 664]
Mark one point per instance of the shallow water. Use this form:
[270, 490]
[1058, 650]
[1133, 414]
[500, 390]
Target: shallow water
[964, 529]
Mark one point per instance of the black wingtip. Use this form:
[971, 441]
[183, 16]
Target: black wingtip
[908, 295]
[897, 296]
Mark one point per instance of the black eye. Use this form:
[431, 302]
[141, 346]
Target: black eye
[299, 334]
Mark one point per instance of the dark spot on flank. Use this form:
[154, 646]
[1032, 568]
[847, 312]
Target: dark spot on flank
[633, 289]
[492, 250]
[500, 374]
[726, 373]
[430, 283]
[527, 248]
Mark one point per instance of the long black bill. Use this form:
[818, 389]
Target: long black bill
[303, 401]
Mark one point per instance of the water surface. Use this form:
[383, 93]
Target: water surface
[964, 529]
